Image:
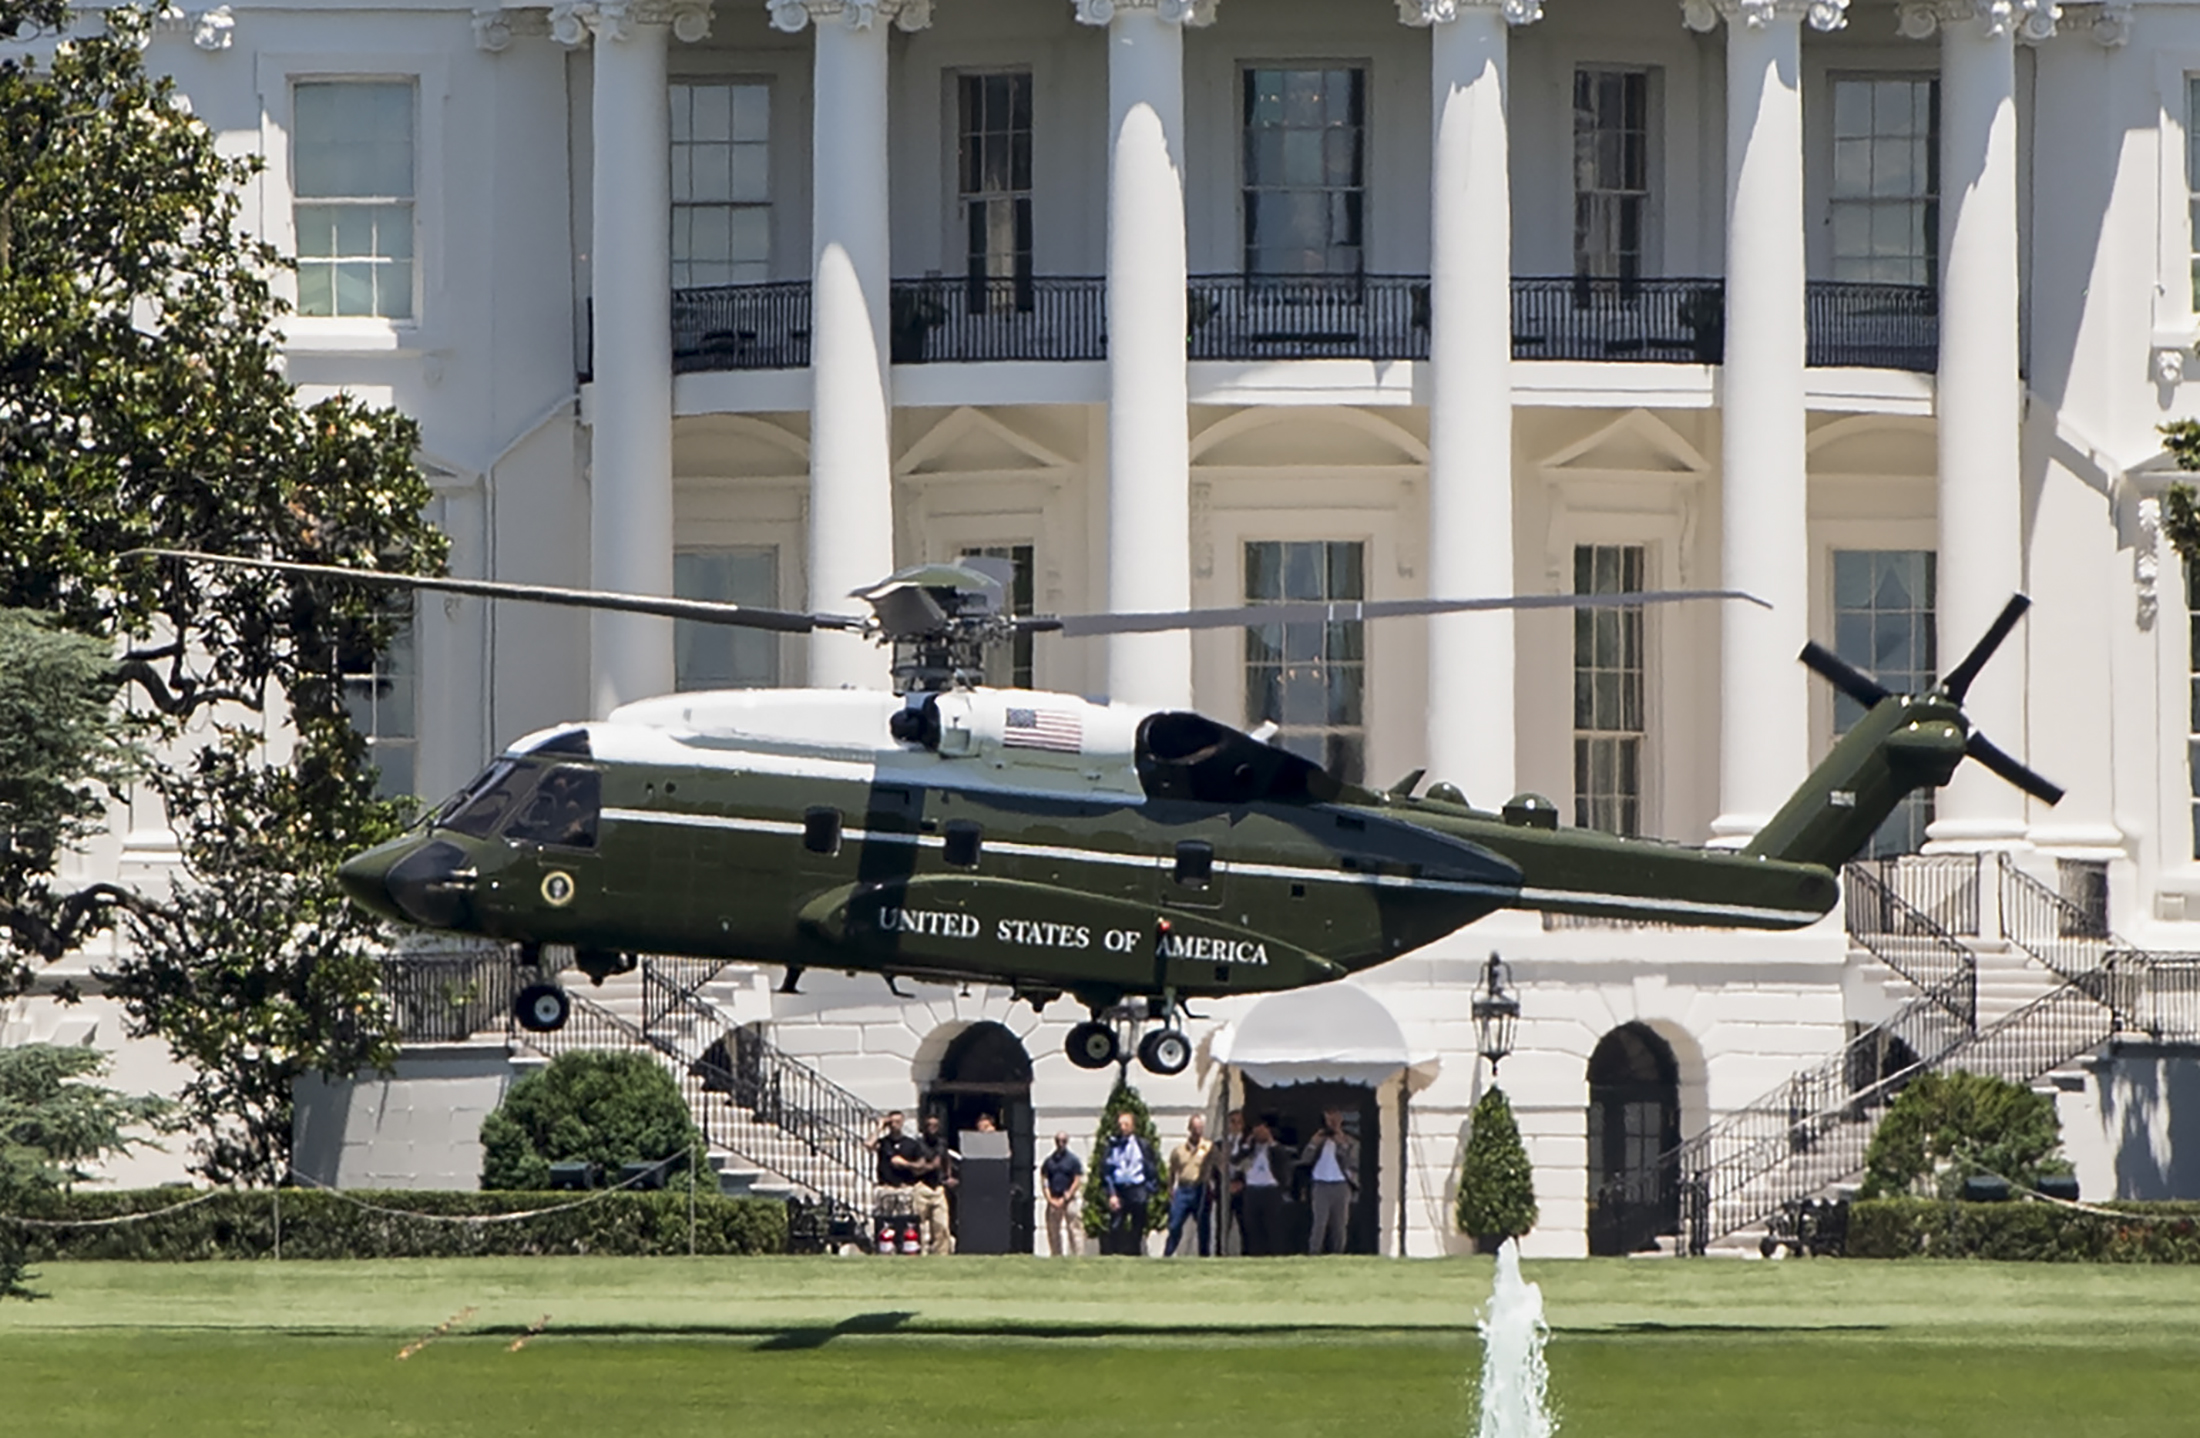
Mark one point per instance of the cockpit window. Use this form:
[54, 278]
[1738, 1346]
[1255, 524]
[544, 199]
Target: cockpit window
[482, 805]
[563, 811]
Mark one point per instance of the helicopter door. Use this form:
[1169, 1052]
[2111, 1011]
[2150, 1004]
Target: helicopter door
[558, 827]
[1192, 877]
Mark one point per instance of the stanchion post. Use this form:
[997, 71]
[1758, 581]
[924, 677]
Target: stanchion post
[691, 1202]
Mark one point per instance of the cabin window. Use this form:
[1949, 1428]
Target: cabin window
[1195, 863]
[563, 811]
[821, 831]
[963, 842]
[1883, 622]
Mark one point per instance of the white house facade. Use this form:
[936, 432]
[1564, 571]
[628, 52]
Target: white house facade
[1870, 309]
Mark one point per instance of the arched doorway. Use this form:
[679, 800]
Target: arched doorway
[1634, 1117]
[987, 1070]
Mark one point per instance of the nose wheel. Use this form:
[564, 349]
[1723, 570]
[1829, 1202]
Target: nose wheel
[1093, 1045]
[542, 1008]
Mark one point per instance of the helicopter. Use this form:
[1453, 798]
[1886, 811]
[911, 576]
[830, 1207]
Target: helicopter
[1134, 859]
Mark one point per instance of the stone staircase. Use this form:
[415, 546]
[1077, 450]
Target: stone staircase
[2051, 988]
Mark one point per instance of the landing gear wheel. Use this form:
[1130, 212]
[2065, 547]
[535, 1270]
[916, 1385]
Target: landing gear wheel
[1092, 1045]
[1165, 1052]
[542, 1008]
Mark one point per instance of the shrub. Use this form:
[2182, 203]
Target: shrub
[2024, 1232]
[607, 1109]
[1496, 1181]
[1125, 1098]
[240, 1223]
[1945, 1127]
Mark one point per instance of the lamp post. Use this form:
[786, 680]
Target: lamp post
[1496, 1012]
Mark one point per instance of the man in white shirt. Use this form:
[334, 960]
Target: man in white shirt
[1333, 1161]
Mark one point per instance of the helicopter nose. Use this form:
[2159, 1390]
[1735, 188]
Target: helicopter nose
[412, 882]
[364, 878]
[433, 885]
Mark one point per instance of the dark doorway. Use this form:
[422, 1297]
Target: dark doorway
[1634, 1119]
[1295, 1113]
[988, 1071]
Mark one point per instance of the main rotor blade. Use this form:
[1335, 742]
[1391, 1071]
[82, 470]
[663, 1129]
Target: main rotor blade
[1843, 675]
[702, 611]
[1958, 682]
[1994, 757]
[1352, 611]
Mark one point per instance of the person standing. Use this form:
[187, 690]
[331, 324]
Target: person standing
[897, 1169]
[1063, 1174]
[1265, 1171]
[1333, 1168]
[1231, 1153]
[1188, 1173]
[935, 1175]
[1130, 1169]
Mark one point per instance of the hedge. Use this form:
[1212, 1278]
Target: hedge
[2030, 1232]
[316, 1224]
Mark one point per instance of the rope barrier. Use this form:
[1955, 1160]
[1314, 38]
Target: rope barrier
[465, 1219]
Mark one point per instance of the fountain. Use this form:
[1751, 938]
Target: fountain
[1514, 1374]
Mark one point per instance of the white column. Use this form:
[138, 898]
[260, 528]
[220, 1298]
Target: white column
[1471, 669]
[1980, 404]
[1764, 701]
[630, 487]
[1149, 434]
[851, 514]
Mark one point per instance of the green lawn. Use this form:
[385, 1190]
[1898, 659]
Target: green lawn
[1021, 1346]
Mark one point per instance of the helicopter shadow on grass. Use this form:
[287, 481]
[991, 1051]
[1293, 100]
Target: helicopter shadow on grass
[796, 1340]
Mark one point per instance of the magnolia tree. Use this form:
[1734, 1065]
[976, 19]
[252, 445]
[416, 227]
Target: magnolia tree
[143, 404]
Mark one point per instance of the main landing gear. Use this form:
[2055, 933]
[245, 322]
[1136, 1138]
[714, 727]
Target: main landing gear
[541, 1007]
[1101, 1040]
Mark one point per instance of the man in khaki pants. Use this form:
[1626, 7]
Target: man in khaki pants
[1063, 1173]
[935, 1172]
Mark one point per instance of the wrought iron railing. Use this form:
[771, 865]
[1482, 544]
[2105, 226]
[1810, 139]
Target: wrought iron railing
[1874, 325]
[824, 1133]
[2067, 938]
[446, 996]
[951, 319]
[1942, 887]
[1256, 317]
[962, 321]
[735, 327]
[1791, 1141]
[1673, 321]
[1907, 940]
[2166, 1004]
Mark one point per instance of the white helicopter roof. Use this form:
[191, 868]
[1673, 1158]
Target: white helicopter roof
[1020, 739]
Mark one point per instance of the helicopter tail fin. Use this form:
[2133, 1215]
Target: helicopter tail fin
[1903, 743]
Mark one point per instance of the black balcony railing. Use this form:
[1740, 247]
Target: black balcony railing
[947, 320]
[728, 327]
[1873, 326]
[1257, 317]
[1655, 321]
[962, 321]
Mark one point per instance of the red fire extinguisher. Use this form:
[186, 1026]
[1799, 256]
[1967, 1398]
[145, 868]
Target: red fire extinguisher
[888, 1231]
[912, 1237]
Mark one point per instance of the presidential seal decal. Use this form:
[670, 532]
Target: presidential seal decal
[557, 888]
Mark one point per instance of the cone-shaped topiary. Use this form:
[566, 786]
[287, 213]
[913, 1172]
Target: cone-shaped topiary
[1096, 1186]
[1496, 1182]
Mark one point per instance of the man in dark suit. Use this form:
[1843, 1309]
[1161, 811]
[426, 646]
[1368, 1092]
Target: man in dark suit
[1131, 1169]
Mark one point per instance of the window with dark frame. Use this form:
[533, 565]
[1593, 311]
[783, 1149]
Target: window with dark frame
[821, 831]
[1305, 171]
[1010, 666]
[721, 182]
[1611, 172]
[1610, 684]
[962, 842]
[1309, 679]
[1885, 204]
[382, 696]
[1195, 863]
[995, 182]
[1884, 622]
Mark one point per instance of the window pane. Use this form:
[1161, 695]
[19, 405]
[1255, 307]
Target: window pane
[1609, 684]
[1304, 155]
[714, 656]
[1883, 622]
[1309, 678]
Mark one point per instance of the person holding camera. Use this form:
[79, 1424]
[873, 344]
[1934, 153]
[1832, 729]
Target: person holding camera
[1332, 1161]
[1264, 1175]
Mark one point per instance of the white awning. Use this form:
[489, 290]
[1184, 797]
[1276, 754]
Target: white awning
[1334, 1033]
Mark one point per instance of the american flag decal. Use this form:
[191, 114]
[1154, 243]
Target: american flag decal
[1051, 729]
